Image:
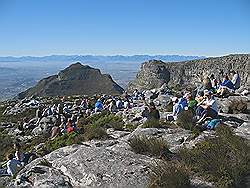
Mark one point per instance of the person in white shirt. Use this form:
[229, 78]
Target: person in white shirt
[12, 166]
[177, 109]
[236, 80]
[207, 107]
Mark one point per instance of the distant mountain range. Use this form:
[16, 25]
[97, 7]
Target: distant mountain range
[100, 58]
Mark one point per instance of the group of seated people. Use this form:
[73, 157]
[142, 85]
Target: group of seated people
[204, 104]
[222, 88]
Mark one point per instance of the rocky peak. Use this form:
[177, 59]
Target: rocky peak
[77, 79]
[154, 73]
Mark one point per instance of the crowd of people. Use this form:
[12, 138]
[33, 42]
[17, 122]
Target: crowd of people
[202, 103]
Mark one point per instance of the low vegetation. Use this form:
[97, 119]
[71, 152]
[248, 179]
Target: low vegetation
[148, 145]
[6, 145]
[185, 121]
[223, 160]
[168, 174]
[95, 132]
[151, 124]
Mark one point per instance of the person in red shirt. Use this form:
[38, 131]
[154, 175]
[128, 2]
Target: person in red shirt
[70, 127]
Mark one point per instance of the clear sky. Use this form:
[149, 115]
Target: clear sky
[127, 27]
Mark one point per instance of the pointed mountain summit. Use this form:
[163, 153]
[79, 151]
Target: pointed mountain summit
[77, 79]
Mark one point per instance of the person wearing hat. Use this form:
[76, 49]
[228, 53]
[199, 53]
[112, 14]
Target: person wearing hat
[207, 108]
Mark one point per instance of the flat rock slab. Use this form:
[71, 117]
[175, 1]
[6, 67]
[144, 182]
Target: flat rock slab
[83, 166]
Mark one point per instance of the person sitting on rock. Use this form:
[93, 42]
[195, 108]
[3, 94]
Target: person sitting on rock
[119, 104]
[214, 82]
[207, 85]
[207, 108]
[226, 87]
[177, 109]
[112, 106]
[126, 103]
[183, 101]
[98, 106]
[12, 166]
[70, 127]
[60, 109]
[55, 131]
[153, 113]
[136, 94]
[18, 154]
[192, 103]
[236, 80]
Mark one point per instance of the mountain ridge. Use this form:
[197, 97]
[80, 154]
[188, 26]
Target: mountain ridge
[98, 58]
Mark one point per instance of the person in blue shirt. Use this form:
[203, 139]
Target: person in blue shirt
[226, 87]
[98, 106]
[183, 101]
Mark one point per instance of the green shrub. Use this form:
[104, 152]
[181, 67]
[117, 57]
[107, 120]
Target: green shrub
[62, 141]
[148, 145]
[185, 120]
[95, 132]
[169, 175]
[151, 124]
[223, 160]
[110, 121]
[130, 127]
[6, 145]
[169, 107]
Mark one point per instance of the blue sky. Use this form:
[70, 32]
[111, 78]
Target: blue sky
[109, 27]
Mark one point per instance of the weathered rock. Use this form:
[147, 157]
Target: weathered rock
[4, 181]
[243, 130]
[174, 137]
[82, 166]
[40, 173]
[45, 125]
[233, 104]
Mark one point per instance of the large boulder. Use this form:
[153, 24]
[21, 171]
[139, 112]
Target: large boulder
[77, 79]
[233, 104]
[45, 125]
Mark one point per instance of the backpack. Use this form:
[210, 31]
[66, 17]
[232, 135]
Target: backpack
[213, 124]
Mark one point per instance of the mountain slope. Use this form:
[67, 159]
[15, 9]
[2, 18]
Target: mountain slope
[77, 79]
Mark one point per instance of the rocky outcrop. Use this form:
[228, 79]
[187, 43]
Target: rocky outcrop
[77, 79]
[154, 73]
[84, 166]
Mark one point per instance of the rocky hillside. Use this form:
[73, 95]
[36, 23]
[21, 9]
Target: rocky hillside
[154, 73]
[77, 79]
